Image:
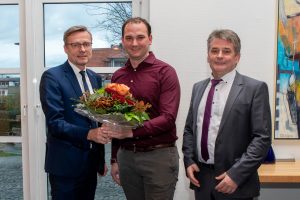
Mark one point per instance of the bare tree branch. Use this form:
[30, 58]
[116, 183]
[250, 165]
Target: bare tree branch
[111, 18]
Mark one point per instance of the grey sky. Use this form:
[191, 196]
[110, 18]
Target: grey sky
[9, 30]
[57, 17]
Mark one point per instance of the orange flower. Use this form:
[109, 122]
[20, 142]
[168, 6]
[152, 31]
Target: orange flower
[121, 89]
[141, 106]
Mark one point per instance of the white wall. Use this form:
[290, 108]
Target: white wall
[180, 30]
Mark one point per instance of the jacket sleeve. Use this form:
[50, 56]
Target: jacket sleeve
[60, 116]
[188, 146]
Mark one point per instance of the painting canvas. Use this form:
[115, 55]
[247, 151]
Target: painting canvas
[287, 113]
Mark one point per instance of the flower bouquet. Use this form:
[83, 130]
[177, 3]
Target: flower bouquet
[114, 105]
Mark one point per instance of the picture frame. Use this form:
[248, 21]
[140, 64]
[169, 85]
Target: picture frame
[287, 95]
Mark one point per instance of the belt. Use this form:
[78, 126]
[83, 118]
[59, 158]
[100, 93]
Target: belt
[147, 148]
[210, 166]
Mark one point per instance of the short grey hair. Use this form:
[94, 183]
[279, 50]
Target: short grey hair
[73, 29]
[228, 35]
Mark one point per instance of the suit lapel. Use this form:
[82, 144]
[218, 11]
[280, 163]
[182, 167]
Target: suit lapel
[198, 96]
[235, 90]
[69, 73]
[93, 79]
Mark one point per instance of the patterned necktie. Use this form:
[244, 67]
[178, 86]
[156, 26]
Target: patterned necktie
[206, 119]
[85, 85]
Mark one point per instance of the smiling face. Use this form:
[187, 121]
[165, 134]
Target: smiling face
[222, 57]
[136, 41]
[78, 54]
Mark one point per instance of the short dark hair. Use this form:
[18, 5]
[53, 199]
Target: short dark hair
[73, 29]
[227, 35]
[136, 20]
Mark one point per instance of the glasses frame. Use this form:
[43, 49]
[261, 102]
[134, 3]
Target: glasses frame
[77, 45]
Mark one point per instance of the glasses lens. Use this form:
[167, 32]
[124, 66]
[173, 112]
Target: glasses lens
[78, 45]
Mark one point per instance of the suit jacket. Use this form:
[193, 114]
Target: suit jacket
[244, 135]
[68, 152]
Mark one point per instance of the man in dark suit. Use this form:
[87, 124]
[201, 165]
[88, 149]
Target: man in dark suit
[74, 148]
[225, 143]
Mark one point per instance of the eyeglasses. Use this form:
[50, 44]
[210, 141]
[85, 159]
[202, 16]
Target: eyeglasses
[78, 45]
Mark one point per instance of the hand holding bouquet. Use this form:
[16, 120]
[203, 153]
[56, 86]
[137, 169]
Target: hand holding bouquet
[113, 104]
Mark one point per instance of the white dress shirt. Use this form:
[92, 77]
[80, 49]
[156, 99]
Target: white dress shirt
[219, 100]
[79, 78]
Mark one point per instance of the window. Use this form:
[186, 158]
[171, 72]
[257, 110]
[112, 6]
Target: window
[11, 179]
[23, 58]
[100, 20]
[10, 120]
[107, 50]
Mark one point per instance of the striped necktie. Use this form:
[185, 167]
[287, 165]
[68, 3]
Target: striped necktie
[85, 85]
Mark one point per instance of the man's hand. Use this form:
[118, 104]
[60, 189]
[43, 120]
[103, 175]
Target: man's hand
[227, 185]
[115, 131]
[98, 135]
[115, 173]
[105, 171]
[191, 174]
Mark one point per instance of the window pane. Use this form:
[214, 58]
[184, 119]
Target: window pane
[10, 114]
[9, 37]
[11, 180]
[104, 20]
[106, 78]
[107, 189]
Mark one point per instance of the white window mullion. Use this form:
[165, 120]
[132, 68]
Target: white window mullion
[35, 122]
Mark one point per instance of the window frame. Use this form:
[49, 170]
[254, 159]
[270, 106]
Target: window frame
[33, 126]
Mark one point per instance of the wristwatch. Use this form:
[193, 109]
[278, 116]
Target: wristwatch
[113, 160]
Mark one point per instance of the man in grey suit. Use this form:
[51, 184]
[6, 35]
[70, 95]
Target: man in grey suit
[228, 128]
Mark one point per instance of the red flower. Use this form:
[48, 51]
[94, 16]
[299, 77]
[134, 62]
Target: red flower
[120, 92]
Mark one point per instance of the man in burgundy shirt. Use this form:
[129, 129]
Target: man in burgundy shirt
[145, 160]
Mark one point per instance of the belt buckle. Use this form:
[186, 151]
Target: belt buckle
[209, 166]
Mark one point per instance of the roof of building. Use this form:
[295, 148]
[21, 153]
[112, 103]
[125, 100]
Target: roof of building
[102, 56]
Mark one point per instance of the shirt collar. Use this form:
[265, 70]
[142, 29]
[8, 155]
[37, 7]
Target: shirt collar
[75, 69]
[227, 78]
[148, 60]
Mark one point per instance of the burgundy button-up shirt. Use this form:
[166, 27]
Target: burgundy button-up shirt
[154, 82]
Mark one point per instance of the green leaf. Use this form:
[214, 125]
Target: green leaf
[128, 116]
[100, 91]
[145, 116]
